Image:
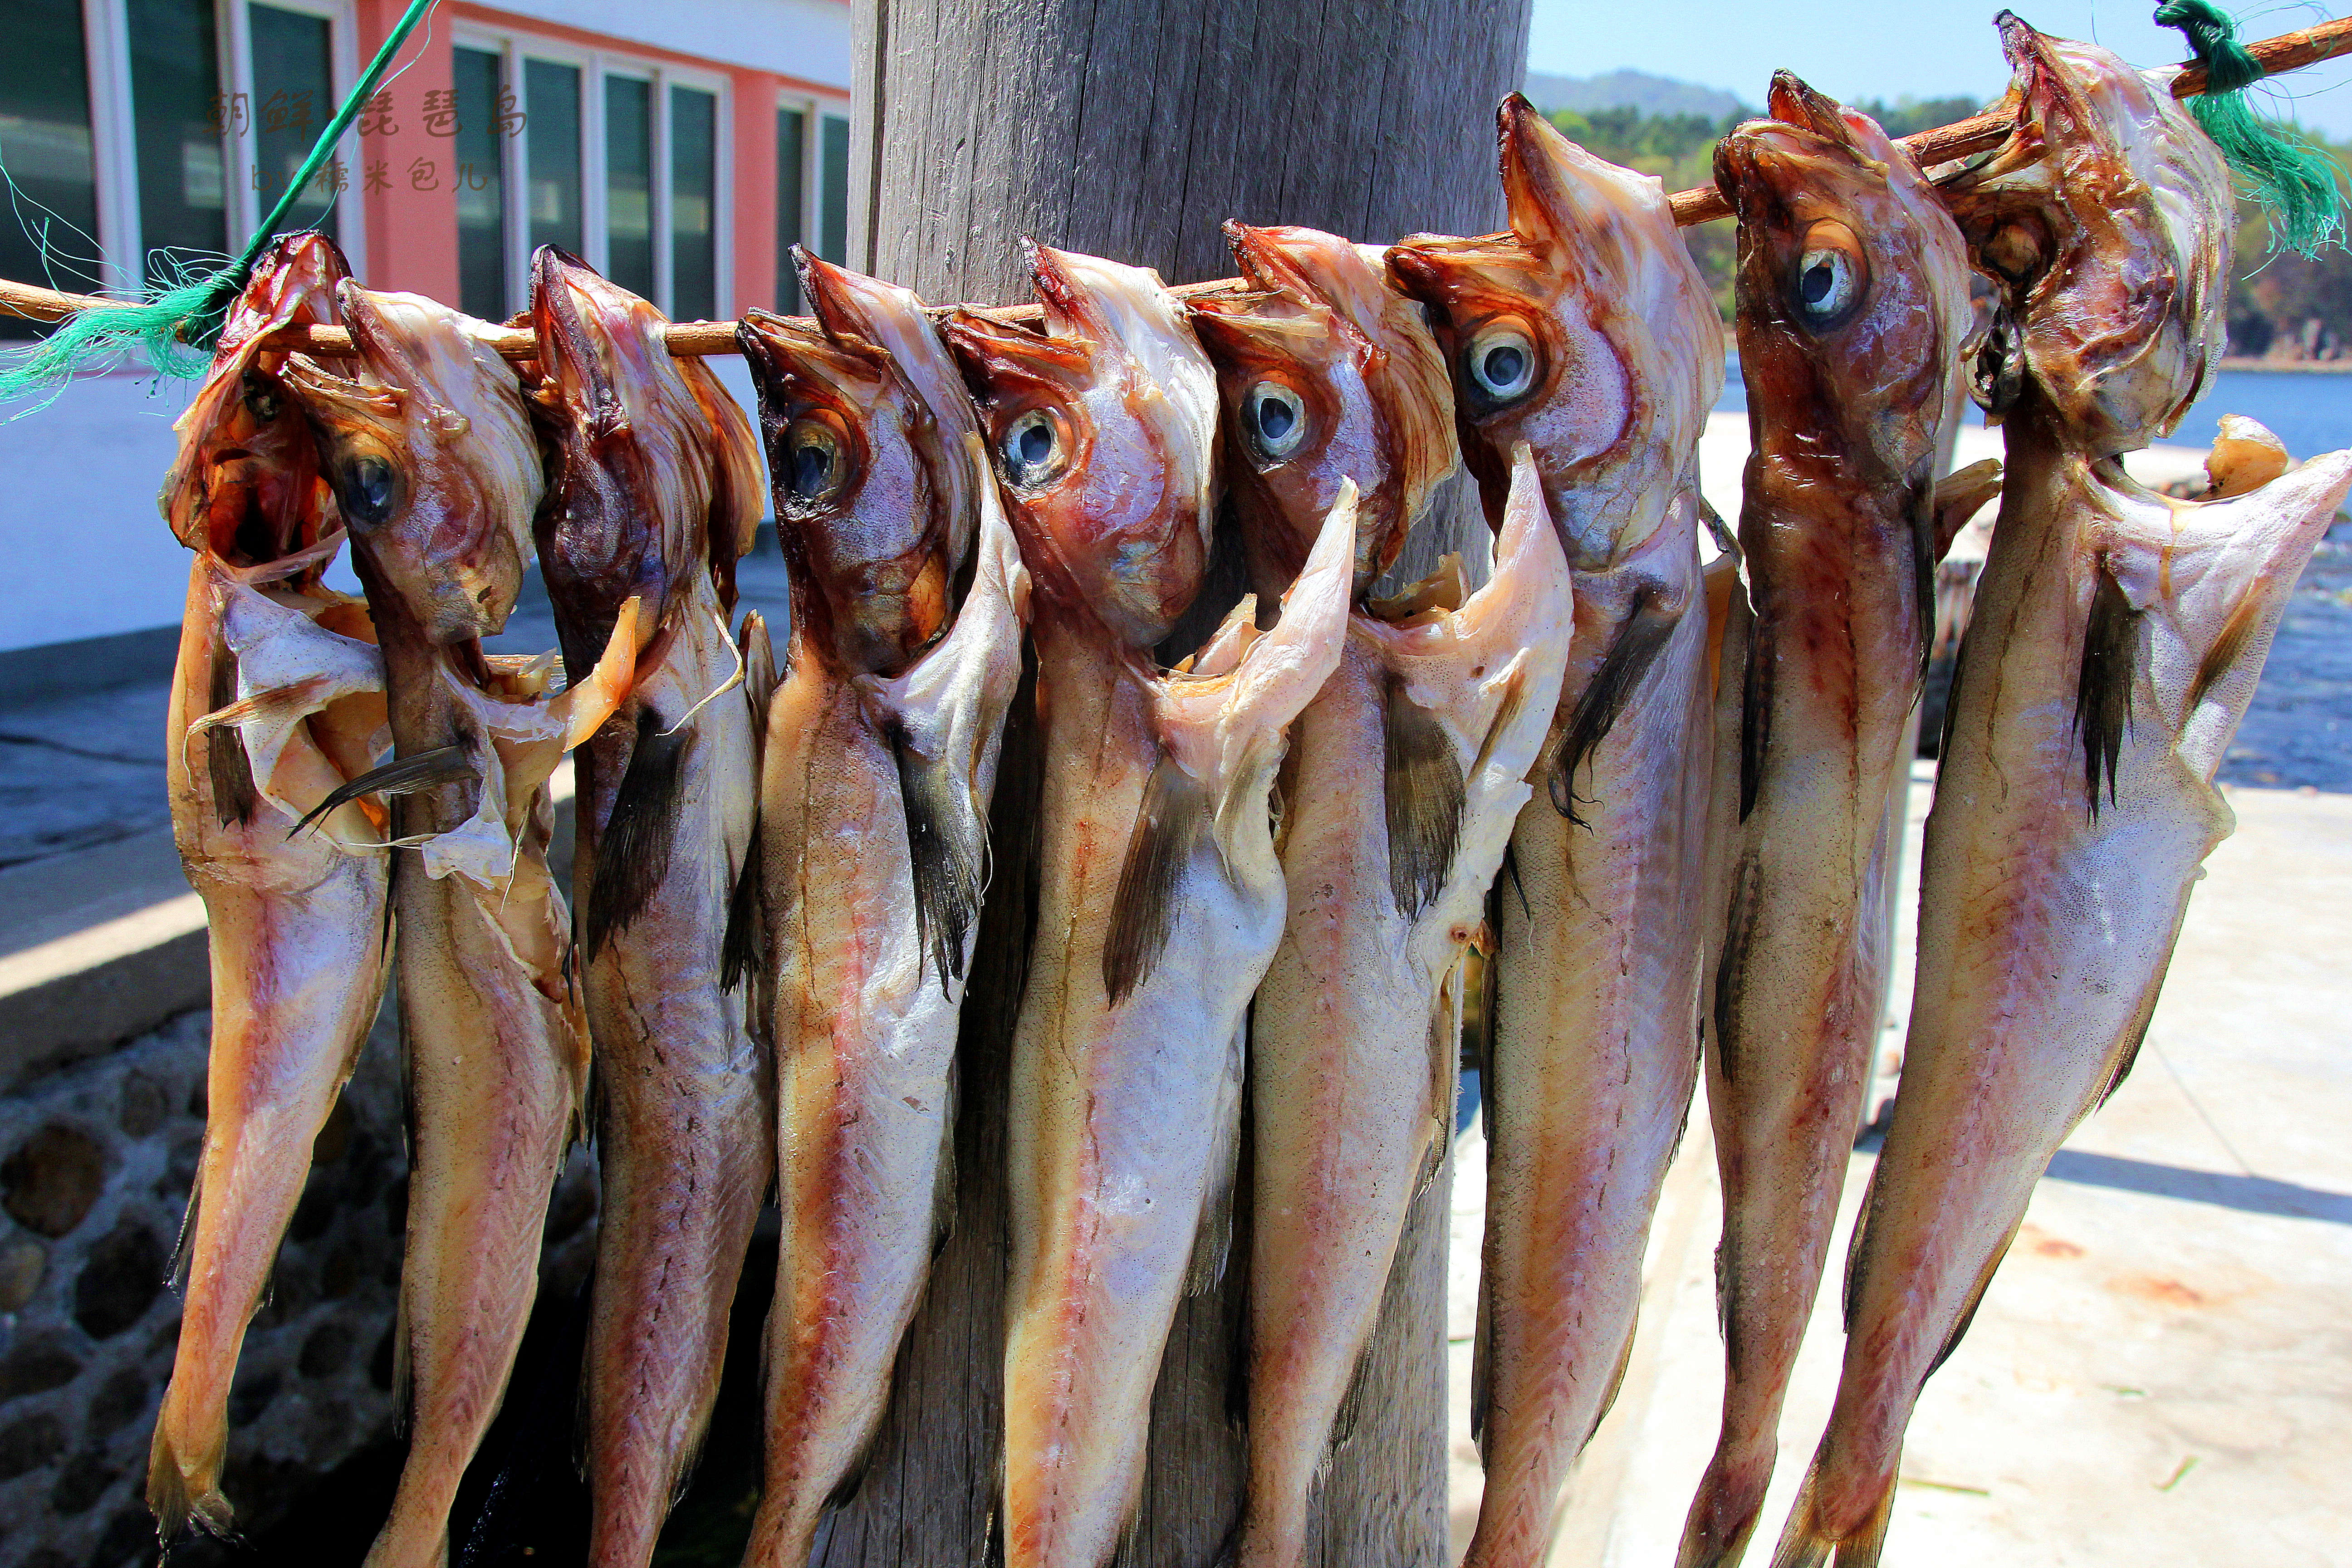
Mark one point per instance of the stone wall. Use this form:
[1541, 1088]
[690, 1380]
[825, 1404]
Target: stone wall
[95, 1165]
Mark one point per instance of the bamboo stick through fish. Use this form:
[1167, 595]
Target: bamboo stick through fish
[2287, 52]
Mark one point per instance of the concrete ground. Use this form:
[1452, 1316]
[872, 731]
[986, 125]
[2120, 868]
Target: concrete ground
[2161, 1372]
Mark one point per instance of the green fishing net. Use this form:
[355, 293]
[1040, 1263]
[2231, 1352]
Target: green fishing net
[2296, 183]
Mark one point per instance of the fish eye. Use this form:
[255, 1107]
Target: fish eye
[1830, 273]
[812, 456]
[1500, 366]
[1275, 418]
[1032, 449]
[369, 490]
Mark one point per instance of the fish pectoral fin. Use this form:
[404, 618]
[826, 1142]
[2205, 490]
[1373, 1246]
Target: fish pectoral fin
[1960, 496]
[633, 848]
[946, 844]
[402, 775]
[1175, 818]
[1640, 638]
[1213, 1241]
[1424, 791]
[2112, 645]
[742, 950]
[760, 675]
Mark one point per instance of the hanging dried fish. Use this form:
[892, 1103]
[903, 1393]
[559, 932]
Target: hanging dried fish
[1404, 776]
[1160, 898]
[1853, 306]
[881, 757]
[653, 492]
[2114, 646]
[277, 702]
[1586, 333]
[433, 464]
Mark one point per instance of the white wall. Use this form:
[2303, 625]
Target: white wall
[84, 552]
[806, 39]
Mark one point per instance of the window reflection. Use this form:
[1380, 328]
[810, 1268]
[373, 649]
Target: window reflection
[629, 183]
[44, 146]
[293, 99]
[693, 197]
[551, 99]
[178, 116]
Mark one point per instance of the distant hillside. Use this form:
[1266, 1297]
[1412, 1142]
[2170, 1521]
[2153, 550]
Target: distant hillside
[1630, 89]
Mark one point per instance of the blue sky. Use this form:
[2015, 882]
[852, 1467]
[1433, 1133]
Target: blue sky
[1866, 48]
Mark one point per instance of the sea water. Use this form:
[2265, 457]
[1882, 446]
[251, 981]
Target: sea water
[2309, 410]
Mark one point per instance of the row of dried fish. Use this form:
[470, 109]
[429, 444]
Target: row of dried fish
[1675, 788]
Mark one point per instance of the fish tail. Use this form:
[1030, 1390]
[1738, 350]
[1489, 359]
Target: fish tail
[183, 1483]
[1813, 1535]
[1723, 1515]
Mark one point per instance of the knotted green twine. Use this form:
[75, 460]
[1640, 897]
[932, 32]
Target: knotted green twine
[176, 326]
[2294, 181]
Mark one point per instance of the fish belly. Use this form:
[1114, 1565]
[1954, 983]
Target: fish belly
[1121, 1125]
[1594, 1058]
[1340, 1102]
[865, 1044]
[685, 1142]
[494, 1059]
[299, 962]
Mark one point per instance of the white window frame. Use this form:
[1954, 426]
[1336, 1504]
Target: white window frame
[815, 112]
[513, 46]
[106, 42]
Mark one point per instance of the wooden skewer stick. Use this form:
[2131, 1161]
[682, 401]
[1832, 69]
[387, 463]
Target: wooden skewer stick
[1962, 138]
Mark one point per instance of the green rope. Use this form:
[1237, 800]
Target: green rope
[176, 326]
[2294, 181]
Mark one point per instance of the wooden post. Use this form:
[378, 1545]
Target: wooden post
[1133, 128]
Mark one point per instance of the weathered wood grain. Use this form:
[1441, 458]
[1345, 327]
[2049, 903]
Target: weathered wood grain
[1133, 128]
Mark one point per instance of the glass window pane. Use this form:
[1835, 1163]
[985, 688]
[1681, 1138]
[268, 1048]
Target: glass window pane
[178, 116]
[792, 133]
[44, 146]
[293, 99]
[481, 188]
[629, 184]
[552, 99]
[833, 223]
[693, 195]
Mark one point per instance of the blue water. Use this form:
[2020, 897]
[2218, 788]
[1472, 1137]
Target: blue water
[2311, 411]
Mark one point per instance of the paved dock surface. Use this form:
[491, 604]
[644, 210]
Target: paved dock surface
[2161, 1373]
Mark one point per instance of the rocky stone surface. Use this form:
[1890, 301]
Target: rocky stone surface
[95, 1165]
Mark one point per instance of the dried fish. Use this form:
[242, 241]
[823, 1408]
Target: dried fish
[1160, 900]
[2114, 646]
[1405, 775]
[1853, 307]
[276, 704]
[880, 760]
[433, 461]
[1587, 335]
[654, 490]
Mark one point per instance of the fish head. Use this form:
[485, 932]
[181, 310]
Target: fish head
[1103, 428]
[1587, 332]
[1327, 374]
[865, 418]
[2105, 224]
[244, 484]
[431, 456]
[1852, 286]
